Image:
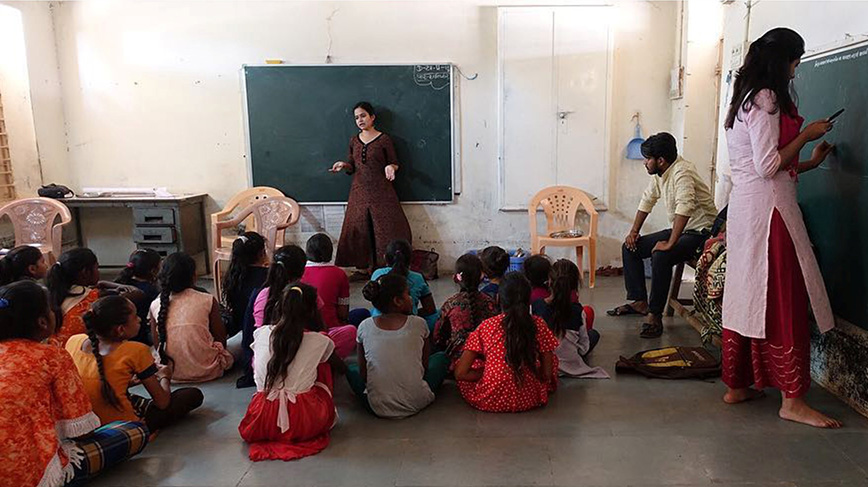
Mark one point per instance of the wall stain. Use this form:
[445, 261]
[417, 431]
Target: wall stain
[839, 362]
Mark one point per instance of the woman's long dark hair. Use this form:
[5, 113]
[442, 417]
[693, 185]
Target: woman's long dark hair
[65, 273]
[398, 254]
[15, 265]
[247, 249]
[519, 327]
[287, 265]
[767, 66]
[142, 264]
[177, 274]
[469, 267]
[298, 311]
[564, 281]
[105, 314]
[22, 303]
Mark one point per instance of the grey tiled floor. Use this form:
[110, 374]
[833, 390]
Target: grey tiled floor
[625, 431]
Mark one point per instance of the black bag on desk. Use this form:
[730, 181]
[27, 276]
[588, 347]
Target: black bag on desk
[55, 191]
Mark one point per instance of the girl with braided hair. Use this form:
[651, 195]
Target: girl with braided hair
[107, 361]
[571, 322]
[141, 272]
[49, 434]
[73, 285]
[292, 411]
[508, 364]
[464, 311]
[186, 326]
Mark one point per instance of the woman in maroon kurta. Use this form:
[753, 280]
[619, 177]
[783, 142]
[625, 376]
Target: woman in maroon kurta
[374, 215]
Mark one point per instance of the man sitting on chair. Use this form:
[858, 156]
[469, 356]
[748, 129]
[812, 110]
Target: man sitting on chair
[691, 212]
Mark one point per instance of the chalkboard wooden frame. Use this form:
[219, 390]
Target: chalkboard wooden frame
[455, 153]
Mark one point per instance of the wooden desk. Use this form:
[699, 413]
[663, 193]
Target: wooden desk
[167, 225]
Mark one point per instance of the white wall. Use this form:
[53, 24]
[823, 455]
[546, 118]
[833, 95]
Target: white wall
[151, 96]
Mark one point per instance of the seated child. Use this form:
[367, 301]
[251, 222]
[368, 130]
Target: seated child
[186, 325]
[398, 254]
[73, 284]
[536, 269]
[289, 266]
[396, 375]
[463, 312]
[107, 361]
[495, 262]
[246, 273]
[46, 414]
[332, 286]
[566, 318]
[508, 364]
[22, 262]
[292, 412]
[141, 272]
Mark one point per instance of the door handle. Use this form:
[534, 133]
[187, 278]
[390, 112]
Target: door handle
[563, 114]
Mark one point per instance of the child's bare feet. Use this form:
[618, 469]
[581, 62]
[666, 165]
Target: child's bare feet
[735, 396]
[797, 410]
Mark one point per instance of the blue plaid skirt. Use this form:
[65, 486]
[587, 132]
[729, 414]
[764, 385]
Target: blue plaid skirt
[107, 446]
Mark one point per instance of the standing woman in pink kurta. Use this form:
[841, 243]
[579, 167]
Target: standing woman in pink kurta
[771, 273]
[374, 215]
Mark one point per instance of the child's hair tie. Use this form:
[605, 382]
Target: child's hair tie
[281, 264]
[130, 265]
[4, 303]
[243, 239]
[296, 288]
[459, 277]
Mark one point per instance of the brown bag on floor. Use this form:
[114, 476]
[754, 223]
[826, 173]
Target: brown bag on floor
[425, 262]
[672, 363]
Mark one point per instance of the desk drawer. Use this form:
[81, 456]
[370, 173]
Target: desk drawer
[153, 216]
[163, 249]
[158, 235]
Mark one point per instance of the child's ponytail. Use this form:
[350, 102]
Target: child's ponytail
[247, 250]
[178, 274]
[298, 311]
[15, 265]
[106, 313]
[398, 254]
[564, 282]
[468, 273]
[287, 265]
[382, 292]
[519, 326]
[22, 303]
[143, 264]
[64, 273]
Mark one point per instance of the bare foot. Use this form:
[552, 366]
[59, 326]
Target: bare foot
[641, 307]
[797, 410]
[735, 396]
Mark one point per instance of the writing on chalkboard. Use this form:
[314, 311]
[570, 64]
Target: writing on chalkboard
[844, 57]
[434, 75]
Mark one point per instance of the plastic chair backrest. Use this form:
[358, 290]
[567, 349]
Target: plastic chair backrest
[272, 215]
[33, 220]
[561, 204]
[248, 198]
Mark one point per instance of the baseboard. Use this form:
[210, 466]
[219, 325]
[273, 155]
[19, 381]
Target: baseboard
[839, 363]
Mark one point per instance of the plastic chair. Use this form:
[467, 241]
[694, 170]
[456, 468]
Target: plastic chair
[271, 217]
[237, 203]
[33, 220]
[560, 204]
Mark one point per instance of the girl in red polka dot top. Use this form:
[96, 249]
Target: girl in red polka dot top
[508, 364]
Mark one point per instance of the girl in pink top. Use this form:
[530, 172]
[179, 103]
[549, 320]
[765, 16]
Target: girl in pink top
[186, 324]
[288, 266]
[771, 272]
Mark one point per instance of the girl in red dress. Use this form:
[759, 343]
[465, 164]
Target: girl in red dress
[292, 412]
[508, 364]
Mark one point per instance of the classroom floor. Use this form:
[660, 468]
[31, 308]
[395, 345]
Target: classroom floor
[625, 431]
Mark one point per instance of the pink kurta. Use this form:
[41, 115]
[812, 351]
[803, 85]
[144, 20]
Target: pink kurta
[759, 187]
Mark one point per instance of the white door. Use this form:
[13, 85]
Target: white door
[554, 80]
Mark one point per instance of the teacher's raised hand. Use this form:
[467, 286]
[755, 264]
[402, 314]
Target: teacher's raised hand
[340, 166]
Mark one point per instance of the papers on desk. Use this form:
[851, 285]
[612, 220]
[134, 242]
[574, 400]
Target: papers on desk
[125, 193]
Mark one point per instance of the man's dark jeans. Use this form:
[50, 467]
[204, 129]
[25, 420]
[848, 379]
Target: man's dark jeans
[661, 266]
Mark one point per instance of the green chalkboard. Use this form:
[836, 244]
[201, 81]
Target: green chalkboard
[300, 120]
[834, 197]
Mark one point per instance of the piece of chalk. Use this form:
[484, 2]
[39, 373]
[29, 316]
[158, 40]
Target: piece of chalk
[274, 61]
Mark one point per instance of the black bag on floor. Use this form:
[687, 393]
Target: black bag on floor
[672, 363]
